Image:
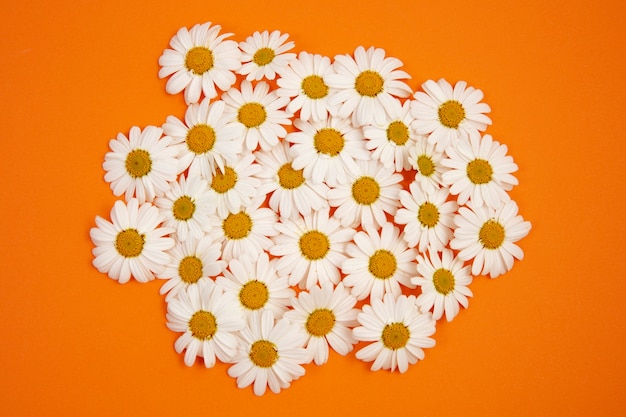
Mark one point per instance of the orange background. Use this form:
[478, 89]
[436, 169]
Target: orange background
[546, 339]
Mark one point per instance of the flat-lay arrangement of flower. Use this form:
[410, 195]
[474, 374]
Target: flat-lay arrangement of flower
[304, 203]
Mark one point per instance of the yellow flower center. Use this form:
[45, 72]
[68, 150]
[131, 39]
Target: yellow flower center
[443, 280]
[263, 354]
[202, 325]
[451, 114]
[382, 264]
[329, 141]
[491, 234]
[224, 181]
[254, 295]
[396, 336]
[252, 115]
[428, 214]
[190, 269]
[398, 133]
[138, 163]
[237, 226]
[290, 178]
[314, 245]
[199, 60]
[263, 56]
[314, 87]
[320, 322]
[479, 171]
[183, 208]
[365, 191]
[425, 165]
[200, 139]
[129, 243]
[369, 83]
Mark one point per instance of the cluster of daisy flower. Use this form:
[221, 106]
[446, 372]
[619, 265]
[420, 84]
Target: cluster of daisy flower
[304, 204]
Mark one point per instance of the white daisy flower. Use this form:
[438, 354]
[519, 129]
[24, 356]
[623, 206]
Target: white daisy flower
[378, 263]
[191, 262]
[326, 316]
[429, 217]
[444, 283]
[292, 194]
[303, 82]
[446, 114]
[426, 162]
[398, 330]
[366, 85]
[210, 141]
[199, 61]
[367, 196]
[311, 249]
[132, 244]
[141, 165]
[391, 141]
[264, 55]
[258, 114]
[480, 171]
[208, 319]
[269, 354]
[327, 149]
[256, 285]
[487, 237]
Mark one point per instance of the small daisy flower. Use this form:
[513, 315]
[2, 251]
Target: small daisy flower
[303, 82]
[327, 150]
[257, 114]
[208, 319]
[191, 262]
[264, 55]
[292, 194]
[311, 249]
[200, 60]
[487, 237]
[141, 165]
[270, 354]
[367, 196]
[429, 217]
[256, 285]
[132, 244]
[326, 316]
[378, 263]
[427, 164]
[480, 171]
[444, 283]
[398, 330]
[209, 141]
[391, 141]
[446, 114]
[366, 85]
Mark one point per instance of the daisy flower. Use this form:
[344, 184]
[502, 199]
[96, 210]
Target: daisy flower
[292, 194]
[367, 196]
[200, 60]
[256, 285]
[257, 114]
[426, 162]
[140, 165]
[366, 85]
[444, 283]
[264, 55]
[397, 330]
[480, 171]
[378, 263]
[446, 114]
[311, 249]
[269, 354]
[391, 141]
[132, 244]
[487, 237]
[208, 319]
[191, 262]
[303, 82]
[429, 217]
[209, 141]
[326, 315]
[327, 149]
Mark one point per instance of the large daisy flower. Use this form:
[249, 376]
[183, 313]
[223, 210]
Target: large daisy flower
[208, 319]
[140, 165]
[303, 82]
[366, 85]
[264, 55]
[292, 194]
[378, 264]
[258, 114]
[200, 60]
[311, 249]
[132, 244]
[444, 283]
[446, 114]
[487, 237]
[426, 161]
[397, 330]
[269, 354]
[367, 196]
[326, 315]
